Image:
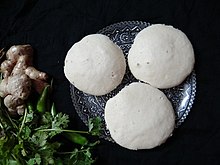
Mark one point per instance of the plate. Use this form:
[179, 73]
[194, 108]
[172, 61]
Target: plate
[123, 34]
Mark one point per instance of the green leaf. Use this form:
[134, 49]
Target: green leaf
[39, 138]
[95, 125]
[47, 152]
[46, 120]
[74, 153]
[12, 162]
[6, 145]
[60, 122]
[81, 156]
[17, 149]
[35, 160]
[25, 133]
[31, 161]
[88, 153]
[29, 117]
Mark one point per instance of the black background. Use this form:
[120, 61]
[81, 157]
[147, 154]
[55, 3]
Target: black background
[53, 26]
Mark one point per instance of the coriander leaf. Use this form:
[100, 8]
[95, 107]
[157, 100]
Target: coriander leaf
[25, 133]
[31, 161]
[17, 149]
[29, 117]
[80, 156]
[74, 153]
[90, 125]
[83, 157]
[39, 138]
[46, 121]
[88, 153]
[59, 122]
[54, 124]
[94, 125]
[6, 161]
[12, 162]
[4, 148]
[47, 152]
[35, 160]
[6, 145]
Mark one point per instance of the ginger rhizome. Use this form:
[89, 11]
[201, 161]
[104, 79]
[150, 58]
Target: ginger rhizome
[19, 76]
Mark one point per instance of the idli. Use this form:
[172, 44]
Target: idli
[161, 55]
[139, 117]
[95, 65]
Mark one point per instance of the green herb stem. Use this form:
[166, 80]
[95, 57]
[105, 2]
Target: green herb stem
[62, 130]
[1, 125]
[8, 116]
[66, 153]
[16, 159]
[23, 121]
[14, 134]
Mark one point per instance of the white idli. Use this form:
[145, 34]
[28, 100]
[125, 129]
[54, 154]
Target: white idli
[95, 65]
[139, 117]
[161, 56]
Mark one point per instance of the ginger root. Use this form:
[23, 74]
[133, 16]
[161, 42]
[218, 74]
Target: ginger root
[18, 77]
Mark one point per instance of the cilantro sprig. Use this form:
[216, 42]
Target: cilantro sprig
[33, 138]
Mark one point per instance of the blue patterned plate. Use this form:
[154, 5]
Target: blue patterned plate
[123, 34]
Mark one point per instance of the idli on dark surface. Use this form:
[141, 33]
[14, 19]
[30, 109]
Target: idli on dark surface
[139, 117]
[162, 56]
[95, 65]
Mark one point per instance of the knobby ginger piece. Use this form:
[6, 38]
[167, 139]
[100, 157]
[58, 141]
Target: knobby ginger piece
[18, 75]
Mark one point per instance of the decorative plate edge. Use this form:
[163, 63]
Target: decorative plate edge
[191, 100]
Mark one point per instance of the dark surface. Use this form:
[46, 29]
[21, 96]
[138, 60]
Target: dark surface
[52, 27]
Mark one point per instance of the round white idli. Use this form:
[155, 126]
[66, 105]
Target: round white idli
[139, 117]
[95, 65]
[161, 56]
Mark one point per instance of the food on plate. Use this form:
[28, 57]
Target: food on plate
[139, 117]
[95, 65]
[18, 76]
[161, 56]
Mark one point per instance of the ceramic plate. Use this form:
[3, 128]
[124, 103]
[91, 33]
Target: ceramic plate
[123, 34]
